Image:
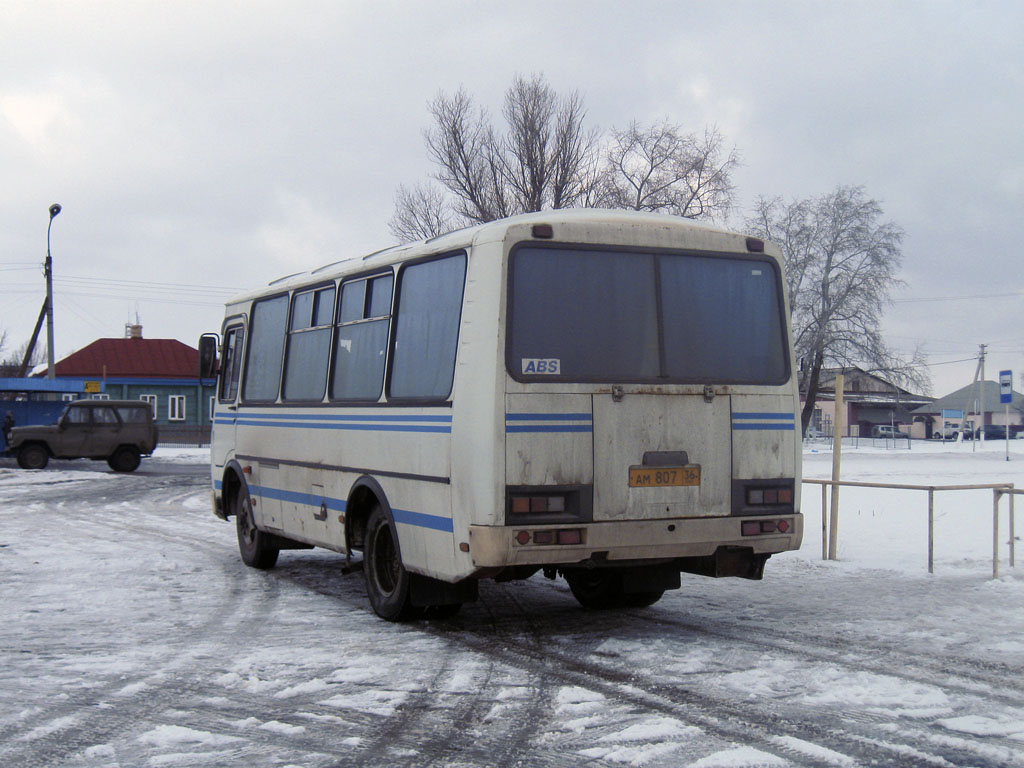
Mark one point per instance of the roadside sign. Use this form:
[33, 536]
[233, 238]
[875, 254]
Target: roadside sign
[952, 413]
[1005, 386]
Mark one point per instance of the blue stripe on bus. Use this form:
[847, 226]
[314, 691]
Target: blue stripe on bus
[770, 421]
[423, 520]
[404, 516]
[586, 426]
[339, 417]
[549, 428]
[548, 417]
[309, 499]
[245, 422]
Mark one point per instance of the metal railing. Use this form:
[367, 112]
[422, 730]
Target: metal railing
[998, 491]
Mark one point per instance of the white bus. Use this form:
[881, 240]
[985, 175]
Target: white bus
[603, 396]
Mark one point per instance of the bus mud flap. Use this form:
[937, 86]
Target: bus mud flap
[740, 562]
[424, 591]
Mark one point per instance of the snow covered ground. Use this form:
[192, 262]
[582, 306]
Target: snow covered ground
[132, 635]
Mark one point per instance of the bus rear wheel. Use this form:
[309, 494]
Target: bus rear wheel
[603, 589]
[387, 581]
[252, 542]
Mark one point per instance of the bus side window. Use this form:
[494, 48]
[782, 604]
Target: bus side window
[230, 366]
[266, 346]
[360, 348]
[309, 345]
[427, 328]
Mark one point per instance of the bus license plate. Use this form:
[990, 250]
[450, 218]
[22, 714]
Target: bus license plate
[660, 477]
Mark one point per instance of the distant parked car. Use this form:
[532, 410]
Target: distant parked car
[991, 432]
[117, 431]
[950, 430]
[814, 434]
[887, 431]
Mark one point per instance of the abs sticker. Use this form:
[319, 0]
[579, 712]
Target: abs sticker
[549, 367]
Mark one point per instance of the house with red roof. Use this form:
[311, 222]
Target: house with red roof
[163, 372]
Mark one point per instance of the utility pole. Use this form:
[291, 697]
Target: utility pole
[48, 271]
[981, 397]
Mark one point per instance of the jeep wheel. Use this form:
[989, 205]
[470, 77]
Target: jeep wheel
[33, 456]
[124, 459]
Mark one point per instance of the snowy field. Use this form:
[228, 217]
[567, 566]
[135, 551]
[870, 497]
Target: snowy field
[134, 636]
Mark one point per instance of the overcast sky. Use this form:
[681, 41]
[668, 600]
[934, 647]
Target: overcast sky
[198, 148]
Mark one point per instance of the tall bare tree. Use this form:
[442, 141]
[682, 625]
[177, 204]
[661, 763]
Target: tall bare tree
[659, 168]
[841, 265]
[547, 158]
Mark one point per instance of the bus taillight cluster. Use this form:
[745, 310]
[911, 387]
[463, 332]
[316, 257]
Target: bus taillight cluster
[550, 536]
[758, 527]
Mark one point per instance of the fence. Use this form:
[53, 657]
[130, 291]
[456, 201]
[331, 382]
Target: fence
[998, 491]
[184, 435]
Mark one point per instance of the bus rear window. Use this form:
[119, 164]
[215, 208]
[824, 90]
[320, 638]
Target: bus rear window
[604, 315]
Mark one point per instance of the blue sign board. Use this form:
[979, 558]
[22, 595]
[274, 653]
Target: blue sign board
[950, 413]
[1005, 387]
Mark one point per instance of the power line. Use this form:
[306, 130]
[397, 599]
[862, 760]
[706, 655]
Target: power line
[921, 299]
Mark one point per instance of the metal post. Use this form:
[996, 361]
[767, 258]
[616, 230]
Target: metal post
[931, 530]
[837, 447]
[1012, 564]
[48, 270]
[824, 522]
[996, 493]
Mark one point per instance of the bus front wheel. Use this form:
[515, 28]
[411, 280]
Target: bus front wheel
[252, 542]
[387, 581]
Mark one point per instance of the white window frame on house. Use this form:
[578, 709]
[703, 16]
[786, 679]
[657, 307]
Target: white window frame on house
[99, 396]
[152, 400]
[175, 407]
[68, 397]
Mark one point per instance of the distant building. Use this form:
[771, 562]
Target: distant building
[163, 372]
[965, 405]
[868, 400]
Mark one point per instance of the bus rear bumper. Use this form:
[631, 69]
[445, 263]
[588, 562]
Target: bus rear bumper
[502, 546]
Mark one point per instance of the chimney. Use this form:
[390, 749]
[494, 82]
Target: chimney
[133, 331]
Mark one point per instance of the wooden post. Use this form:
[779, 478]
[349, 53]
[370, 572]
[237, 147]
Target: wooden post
[839, 426]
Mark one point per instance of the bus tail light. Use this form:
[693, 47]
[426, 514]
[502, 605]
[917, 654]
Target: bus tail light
[525, 505]
[759, 527]
[769, 497]
[550, 536]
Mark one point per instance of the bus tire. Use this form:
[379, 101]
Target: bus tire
[124, 459]
[387, 581]
[642, 599]
[252, 542]
[33, 456]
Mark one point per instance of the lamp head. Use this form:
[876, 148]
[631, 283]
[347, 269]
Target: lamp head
[54, 209]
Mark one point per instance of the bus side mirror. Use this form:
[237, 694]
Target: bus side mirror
[208, 343]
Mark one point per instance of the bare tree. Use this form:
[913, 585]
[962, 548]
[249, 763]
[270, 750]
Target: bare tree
[841, 264]
[11, 363]
[422, 212]
[547, 158]
[659, 168]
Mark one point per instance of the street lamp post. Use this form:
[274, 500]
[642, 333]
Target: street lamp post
[54, 210]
